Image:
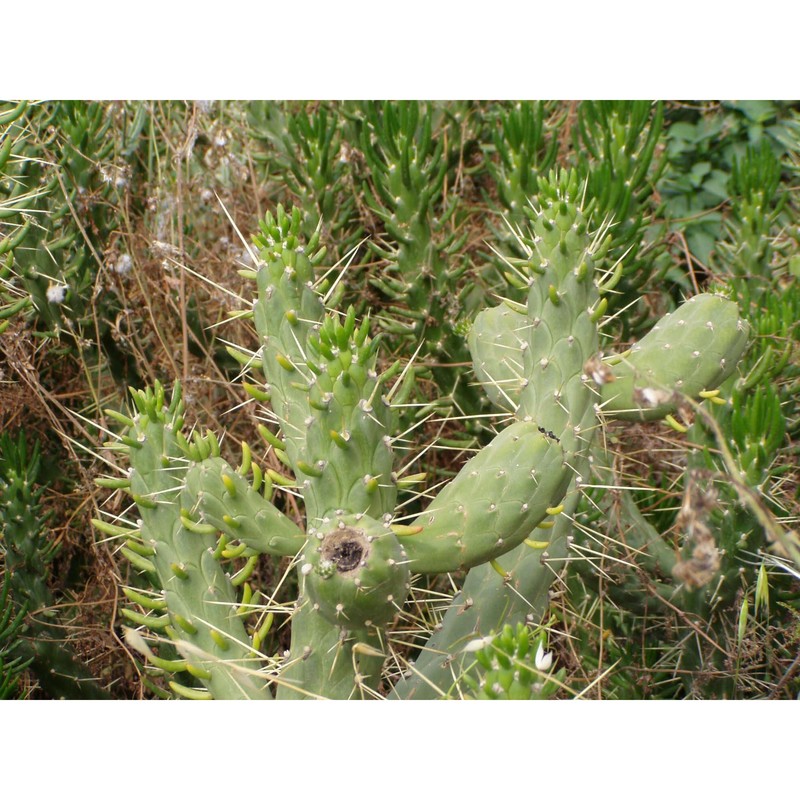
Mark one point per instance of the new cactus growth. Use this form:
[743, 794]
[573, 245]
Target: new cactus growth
[512, 665]
[332, 425]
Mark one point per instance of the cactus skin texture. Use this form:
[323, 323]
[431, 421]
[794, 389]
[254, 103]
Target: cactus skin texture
[502, 517]
[494, 503]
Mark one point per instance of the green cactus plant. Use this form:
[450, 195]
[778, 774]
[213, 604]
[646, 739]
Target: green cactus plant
[613, 146]
[15, 199]
[745, 512]
[309, 148]
[12, 627]
[695, 543]
[505, 669]
[424, 294]
[518, 585]
[27, 550]
[524, 145]
[501, 518]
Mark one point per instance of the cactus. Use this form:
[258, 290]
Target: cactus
[688, 352]
[197, 595]
[706, 530]
[734, 527]
[27, 551]
[64, 176]
[525, 142]
[63, 187]
[355, 561]
[422, 282]
[505, 671]
[307, 146]
[14, 201]
[12, 626]
[516, 586]
[612, 148]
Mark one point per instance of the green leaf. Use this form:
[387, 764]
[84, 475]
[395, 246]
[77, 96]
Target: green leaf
[755, 110]
[683, 131]
[698, 172]
[717, 184]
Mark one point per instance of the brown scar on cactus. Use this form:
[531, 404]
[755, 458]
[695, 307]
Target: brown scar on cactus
[347, 549]
[698, 503]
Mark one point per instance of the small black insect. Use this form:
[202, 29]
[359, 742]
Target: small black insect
[549, 434]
